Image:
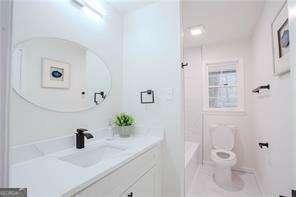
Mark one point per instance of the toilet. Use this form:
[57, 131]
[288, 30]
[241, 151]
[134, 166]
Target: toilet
[223, 138]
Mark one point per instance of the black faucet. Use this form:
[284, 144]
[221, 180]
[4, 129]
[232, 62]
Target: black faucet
[80, 137]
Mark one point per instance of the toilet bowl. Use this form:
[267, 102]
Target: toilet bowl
[223, 137]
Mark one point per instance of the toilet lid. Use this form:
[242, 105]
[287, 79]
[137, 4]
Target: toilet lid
[223, 137]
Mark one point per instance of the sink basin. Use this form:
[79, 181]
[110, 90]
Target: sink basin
[92, 156]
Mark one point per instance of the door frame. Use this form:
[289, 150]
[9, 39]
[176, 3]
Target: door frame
[6, 7]
[292, 61]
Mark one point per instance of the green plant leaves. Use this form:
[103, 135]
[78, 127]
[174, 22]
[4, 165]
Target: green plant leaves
[124, 119]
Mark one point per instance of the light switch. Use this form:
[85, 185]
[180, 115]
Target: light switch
[169, 94]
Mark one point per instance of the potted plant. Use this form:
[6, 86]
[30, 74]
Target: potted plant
[124, 124]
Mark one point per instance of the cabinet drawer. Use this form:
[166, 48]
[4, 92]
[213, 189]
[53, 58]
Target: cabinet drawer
[144, 187]
[118, 181]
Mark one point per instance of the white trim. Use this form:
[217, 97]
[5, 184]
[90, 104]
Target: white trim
[260, 186]
[6, 26]
[225, 113]
[240, 84]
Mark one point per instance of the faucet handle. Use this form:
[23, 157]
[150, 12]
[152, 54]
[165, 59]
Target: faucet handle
[80, 130]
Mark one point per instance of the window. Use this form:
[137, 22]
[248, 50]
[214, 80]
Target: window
[223, 86]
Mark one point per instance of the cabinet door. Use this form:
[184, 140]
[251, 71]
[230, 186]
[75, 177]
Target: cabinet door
[144, 187]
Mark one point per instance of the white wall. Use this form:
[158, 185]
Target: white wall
[193, 94]
[272, 115]
[227, 51]
[61, 19]
[152, 61]
[292, 26]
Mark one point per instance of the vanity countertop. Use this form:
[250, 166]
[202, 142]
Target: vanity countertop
[49, 176]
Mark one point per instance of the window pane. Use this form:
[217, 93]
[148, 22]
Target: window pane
[222, 102]
[230, 102]
[222, 97]
[228, 96]
[213, 103]
[232, 78]
[228, 92]
[222, 86]
[228, 77]
[214, 78]
[214, 92]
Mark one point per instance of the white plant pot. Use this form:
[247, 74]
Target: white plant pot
[125, 131]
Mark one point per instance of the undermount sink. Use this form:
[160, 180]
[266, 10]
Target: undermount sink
[92, 156]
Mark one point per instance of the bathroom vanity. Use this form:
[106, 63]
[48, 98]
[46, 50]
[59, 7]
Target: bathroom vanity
[75, 79]
[139, 177]
[104, 168]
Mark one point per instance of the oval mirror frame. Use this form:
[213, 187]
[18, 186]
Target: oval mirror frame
[104, 94]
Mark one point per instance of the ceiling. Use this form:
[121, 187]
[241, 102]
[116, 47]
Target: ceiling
[222, 20]
[126, 6]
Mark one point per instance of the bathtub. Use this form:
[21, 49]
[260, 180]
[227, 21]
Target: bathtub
[193, 159]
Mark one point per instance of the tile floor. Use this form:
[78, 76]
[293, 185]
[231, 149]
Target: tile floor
[204, 186]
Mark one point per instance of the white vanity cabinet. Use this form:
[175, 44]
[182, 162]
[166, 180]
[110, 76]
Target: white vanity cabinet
[144, 187]
[140, 177]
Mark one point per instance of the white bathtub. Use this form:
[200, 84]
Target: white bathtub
[192, 161]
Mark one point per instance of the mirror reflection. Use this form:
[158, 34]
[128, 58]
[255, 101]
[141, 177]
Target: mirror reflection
[59, 75]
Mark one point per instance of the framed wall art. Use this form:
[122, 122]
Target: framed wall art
[55, 74]
[281, 42]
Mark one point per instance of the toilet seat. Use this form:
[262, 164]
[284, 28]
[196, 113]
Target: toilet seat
[223, 141]
[223, 157]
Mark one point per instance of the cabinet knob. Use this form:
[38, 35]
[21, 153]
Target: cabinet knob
[130, 194]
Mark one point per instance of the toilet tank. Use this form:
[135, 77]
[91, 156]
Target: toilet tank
[223, 136]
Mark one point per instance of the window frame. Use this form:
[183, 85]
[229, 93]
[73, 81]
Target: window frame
[238, 62]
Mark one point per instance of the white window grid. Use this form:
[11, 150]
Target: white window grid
[230, 88]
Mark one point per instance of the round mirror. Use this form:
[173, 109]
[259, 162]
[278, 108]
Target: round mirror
[59, 75]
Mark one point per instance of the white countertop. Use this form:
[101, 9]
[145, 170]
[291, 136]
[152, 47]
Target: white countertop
[48, 176]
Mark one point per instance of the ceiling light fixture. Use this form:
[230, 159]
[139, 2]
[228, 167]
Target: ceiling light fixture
[197, 30]
[89, 8]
